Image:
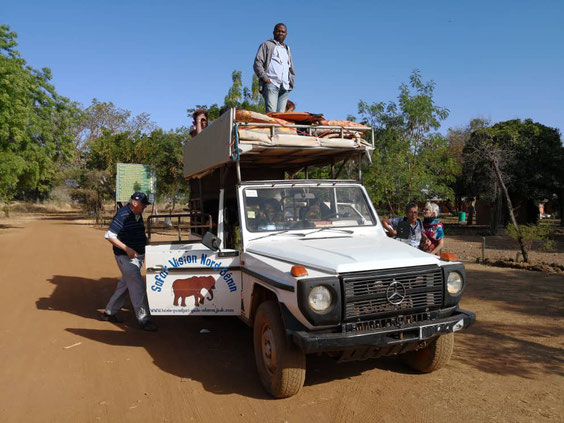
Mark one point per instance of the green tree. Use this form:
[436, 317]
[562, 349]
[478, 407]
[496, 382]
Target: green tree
[96, 179]
[105, 116]
[519, 161]
[243, 97]
[530, 157]
[95, 172]
[213, 111]
[238, 96]
[36, 125]
[457, 139]
[411, 160]
[163, 151]
[104, 136]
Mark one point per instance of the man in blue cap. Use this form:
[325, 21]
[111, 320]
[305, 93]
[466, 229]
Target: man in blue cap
[127, 235]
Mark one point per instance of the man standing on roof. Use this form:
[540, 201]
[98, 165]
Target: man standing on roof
[127, 236]
[275, 70]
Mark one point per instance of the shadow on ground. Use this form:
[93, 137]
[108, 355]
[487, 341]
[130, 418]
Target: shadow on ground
[222, 360]
[518, 291]
[4, 226]
[222, 357]
[69, 218]
[500, 342]
[503, 348]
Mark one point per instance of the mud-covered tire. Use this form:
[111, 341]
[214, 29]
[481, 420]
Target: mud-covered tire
[280, 364]
[433, 357]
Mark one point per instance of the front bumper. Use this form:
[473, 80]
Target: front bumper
[311, 342]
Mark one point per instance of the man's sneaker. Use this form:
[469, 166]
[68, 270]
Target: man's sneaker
[105, 317]
[148, 325]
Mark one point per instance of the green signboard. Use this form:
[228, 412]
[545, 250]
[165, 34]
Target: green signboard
[131, 178]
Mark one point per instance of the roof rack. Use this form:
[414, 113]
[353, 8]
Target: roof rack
[290, 147]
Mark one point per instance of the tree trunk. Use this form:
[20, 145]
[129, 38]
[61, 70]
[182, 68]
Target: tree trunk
[561, 201]
[97, 208]
[391, 208]
[449, 208]
[494, 215]
[510, 210]
[107, 187]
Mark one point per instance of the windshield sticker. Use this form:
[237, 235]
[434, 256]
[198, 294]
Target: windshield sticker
[251, 193]
[251, 214]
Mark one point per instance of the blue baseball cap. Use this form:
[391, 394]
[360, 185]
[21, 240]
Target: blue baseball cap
[140, 196]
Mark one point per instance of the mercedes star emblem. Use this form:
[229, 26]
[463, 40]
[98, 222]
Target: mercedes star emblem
[396, 293]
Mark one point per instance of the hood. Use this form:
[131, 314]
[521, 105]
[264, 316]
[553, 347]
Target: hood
[342, 254]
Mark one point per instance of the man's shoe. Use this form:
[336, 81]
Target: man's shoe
[149, 326]
[105, 317]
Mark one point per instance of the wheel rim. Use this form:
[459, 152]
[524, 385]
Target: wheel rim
[268, 347]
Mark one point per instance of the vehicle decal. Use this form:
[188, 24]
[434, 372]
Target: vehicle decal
[203, 260]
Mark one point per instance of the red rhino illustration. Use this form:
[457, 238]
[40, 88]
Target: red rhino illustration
[191, 287]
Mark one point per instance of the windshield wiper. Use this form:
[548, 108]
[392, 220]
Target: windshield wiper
[278, 233]
[347, 231]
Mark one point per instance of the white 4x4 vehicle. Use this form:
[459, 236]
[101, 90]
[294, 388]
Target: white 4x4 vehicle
[311, 270]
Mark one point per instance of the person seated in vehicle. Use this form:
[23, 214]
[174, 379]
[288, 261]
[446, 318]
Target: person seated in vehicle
[253, 213]
[317, 210]
[290, 106]
[433, 230]
[270, 214]
[200, 122]
[415, 226]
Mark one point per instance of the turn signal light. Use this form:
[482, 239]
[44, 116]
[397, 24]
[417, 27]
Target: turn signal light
[449, 257]
[298, 270]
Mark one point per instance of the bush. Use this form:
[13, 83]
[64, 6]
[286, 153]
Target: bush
[530, 234]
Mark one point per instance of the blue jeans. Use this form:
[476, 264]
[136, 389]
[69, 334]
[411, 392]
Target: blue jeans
[275, 98]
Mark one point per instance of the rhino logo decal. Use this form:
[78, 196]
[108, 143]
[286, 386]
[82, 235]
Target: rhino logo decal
[192, 287]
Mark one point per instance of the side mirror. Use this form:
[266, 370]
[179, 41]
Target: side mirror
[211, 241]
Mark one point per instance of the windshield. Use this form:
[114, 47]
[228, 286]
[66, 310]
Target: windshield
[286, 207]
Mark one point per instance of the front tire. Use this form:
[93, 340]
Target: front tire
[432, 357]
[280, 364]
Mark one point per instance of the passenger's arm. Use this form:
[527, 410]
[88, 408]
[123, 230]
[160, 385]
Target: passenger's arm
[386, 224]
[425, 243]
[438, 248]
[199, 124]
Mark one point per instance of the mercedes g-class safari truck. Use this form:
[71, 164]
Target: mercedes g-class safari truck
[305, 263]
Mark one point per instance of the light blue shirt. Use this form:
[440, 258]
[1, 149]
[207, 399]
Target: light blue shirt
[279, 67]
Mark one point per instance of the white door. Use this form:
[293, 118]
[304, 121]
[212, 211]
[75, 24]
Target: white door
[189, 279]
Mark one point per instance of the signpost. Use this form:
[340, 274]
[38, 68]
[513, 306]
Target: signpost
[131, 178]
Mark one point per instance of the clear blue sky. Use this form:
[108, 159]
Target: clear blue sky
[497, 59]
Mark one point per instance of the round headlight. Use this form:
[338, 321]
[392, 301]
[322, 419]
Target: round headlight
[454, 283]
[320, 299]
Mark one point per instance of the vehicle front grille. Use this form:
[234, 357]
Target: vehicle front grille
[392, 292]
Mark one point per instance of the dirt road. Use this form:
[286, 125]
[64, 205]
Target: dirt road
[60, 364]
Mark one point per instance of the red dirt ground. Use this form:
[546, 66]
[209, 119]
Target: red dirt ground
[60, 364]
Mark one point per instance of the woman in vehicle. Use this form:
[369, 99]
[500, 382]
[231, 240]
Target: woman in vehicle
[432, 229]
